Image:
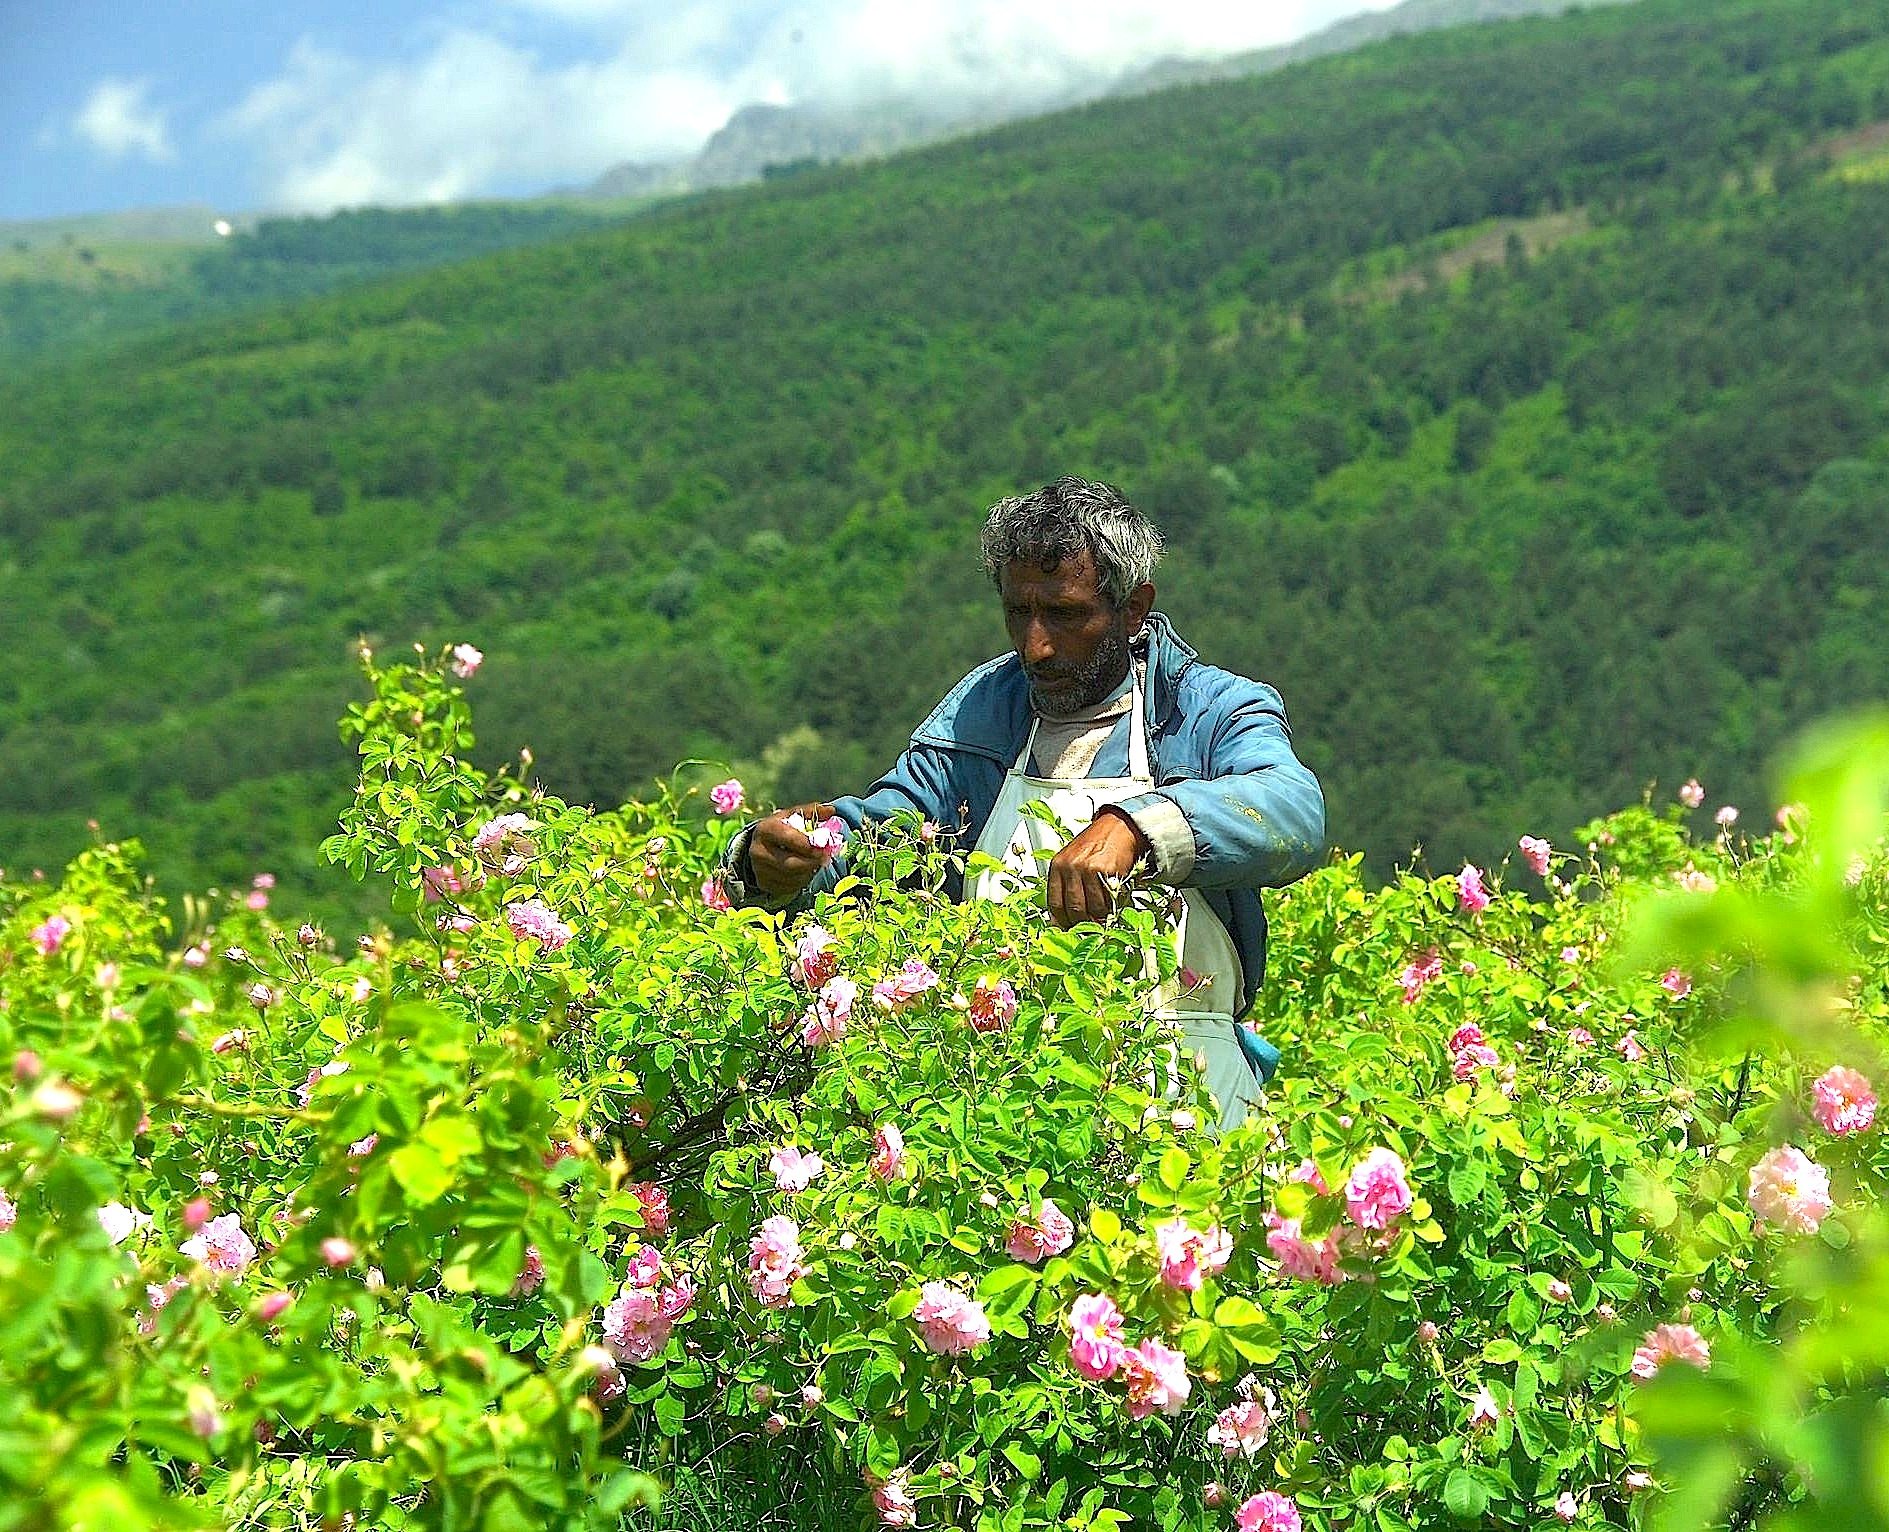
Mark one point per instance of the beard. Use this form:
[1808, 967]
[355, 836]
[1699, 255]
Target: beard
[1076, 691]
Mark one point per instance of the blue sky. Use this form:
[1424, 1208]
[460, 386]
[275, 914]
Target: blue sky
[256, 106]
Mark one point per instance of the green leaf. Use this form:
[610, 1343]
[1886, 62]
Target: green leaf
[1238, 1313]
[1022, 1459]
[1465, 1495]
[452, 1137]
[1175, 1163]
[420, 1171]
[1651, 1195]
[671, 1414]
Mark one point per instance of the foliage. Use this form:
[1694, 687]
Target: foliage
[1514, 524]
[546, 1117]
[50, 311]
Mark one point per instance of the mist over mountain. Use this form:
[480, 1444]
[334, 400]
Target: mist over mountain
[760, 139]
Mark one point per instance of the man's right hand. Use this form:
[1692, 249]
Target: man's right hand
[784, 860]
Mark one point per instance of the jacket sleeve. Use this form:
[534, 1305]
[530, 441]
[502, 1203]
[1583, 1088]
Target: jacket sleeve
[923, 778]
[1257, 814]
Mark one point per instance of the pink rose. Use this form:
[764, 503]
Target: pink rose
[49, 933]
[715, 897]
[1299, 1258]
[727, 797]
[1188, 1257]
[1050, 1234]
[437, 882]
[272, 1306]
[826, 1020]
[645, 1268]
[1676, 982]
[1269, 1511]
[899, 991]
[888, 1152]
[1726, 817]
[794, 1171]
[1671, 1343]
[950, 1322]
[466, 661]
[120, 1222]
[816, 957]
[654, 1202]
[1843, 1101]
[9, 1210]
[532, 920]
[1378, 1193]
[221, 1246]
[1470, 893]
[634, 1326]
[1566, 1507]
[1483, 1409]
[203, 1412]
[305, 1092]
[1465, 1062]
[1095, 1337]
[530, 1275]
[1790, 1190]
[775, 1262]
[893, 1501]
[1692, 794]
[1536, 852]
[1307, 1173]
[1156, 1377]
[1418, 972]
[1241, 1429]
[826, 837]
[1630, 1048]
[993, 1005]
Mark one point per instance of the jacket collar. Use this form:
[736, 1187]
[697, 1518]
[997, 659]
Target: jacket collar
[1169, 656]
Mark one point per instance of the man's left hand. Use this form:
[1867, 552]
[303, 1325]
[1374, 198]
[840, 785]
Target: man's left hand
[1076, 885]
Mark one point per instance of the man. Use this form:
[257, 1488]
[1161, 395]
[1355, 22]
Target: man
[1143, 754]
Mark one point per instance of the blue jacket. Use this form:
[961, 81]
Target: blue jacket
[1219, 749]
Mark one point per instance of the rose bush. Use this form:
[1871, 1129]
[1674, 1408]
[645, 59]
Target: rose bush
[571, 1172]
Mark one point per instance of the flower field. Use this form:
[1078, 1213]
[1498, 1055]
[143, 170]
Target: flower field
[569, 1191]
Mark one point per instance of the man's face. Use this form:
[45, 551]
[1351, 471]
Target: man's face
[1073, 644]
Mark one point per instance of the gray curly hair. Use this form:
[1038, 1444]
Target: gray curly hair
[1062, 520]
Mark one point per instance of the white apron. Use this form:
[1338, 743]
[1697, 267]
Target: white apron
[1201, 1016]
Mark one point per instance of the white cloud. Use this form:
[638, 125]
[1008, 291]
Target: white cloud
[116, 120]
[473, 114]
[477, 113]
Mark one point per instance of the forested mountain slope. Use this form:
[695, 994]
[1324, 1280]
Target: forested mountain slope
[1512, 536]
[88, 284]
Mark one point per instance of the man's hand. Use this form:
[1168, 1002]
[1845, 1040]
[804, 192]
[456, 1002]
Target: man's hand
[1074, 885]
[784, 860]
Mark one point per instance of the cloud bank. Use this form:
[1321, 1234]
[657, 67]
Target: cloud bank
[117, 121]
[481, 112]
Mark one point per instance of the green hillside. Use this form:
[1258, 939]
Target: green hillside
[85, 284]
[1517, 399]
